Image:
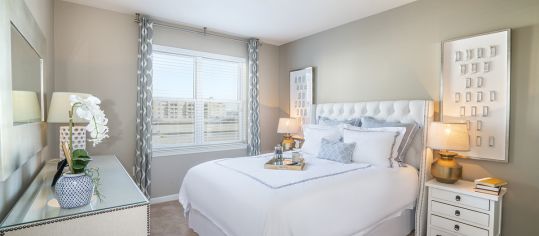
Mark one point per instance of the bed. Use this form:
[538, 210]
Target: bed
[237, 197]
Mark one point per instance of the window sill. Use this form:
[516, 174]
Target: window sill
[172, 151]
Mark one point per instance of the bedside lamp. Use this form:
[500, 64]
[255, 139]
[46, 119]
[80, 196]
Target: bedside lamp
[59, 113]
[444, 137]
[287, 126]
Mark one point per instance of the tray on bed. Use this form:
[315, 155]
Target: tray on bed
[287, 165]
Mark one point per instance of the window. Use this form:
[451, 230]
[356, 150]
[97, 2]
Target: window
[198, 101]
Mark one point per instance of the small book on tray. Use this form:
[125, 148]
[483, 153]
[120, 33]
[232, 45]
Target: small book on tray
[491, 182]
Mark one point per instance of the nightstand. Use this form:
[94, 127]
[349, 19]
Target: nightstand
[456, 209]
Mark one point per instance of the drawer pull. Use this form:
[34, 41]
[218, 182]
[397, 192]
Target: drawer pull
[457, 213]
[457, 227]
[457, 198]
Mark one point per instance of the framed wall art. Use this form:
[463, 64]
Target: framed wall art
[475, 90]
[301, 94]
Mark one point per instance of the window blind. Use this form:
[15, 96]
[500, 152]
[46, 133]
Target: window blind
[197, 99]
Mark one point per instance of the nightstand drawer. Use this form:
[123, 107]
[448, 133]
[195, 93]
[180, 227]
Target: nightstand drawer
[461, 199]
[459, 213]
[457, 227]
[436, 232]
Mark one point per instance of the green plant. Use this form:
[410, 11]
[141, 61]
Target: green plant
[96, 179]
[80, 160]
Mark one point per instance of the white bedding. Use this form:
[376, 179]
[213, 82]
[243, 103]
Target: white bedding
[327, 198]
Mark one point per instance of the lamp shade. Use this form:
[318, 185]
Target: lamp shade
[26, 107]
[449, 136]
[60, 107]
[287, 126]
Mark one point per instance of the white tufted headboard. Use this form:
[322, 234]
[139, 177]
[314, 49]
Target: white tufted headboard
[404, 111]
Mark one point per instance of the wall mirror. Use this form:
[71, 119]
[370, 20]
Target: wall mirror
[26, 80]
[22, 49]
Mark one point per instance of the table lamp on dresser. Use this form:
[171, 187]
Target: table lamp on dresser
[448, 137]
[59, 113]
[287, 126]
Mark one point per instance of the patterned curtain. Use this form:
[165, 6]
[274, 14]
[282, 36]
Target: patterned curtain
[144, 106]
[254, 110]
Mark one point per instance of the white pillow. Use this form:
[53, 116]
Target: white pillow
[400, 130]
[313, 135]
[374, 147]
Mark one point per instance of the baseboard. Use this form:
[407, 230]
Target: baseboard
[168, 198]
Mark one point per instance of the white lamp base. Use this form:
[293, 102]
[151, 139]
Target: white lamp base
[79, 138]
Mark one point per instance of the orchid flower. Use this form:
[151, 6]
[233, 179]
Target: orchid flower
[88, 109]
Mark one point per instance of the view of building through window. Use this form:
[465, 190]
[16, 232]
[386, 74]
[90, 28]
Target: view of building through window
[197, 99]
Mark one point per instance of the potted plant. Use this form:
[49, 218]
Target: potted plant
[76, 187]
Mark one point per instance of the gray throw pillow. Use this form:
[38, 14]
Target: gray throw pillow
[406, 143]
[336, 151]
[333, 122]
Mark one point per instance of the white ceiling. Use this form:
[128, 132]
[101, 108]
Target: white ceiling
[273, 21]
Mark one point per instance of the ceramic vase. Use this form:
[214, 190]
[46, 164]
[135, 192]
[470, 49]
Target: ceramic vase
[74, 190]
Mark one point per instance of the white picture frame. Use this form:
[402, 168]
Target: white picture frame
[301, 94]
[489, 107]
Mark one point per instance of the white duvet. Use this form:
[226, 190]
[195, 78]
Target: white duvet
[327, 199]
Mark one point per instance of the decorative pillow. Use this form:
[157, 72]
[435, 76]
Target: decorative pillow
[374, 147]
[406, 143]
[333, 122]
[336, 151]
[313, 135]
[400, 130]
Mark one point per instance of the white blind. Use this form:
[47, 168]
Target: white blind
[197, 99]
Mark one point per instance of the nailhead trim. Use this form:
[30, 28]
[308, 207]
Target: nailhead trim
[66, 218]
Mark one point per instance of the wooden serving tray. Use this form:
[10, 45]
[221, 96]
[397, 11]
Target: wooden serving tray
[271, 165]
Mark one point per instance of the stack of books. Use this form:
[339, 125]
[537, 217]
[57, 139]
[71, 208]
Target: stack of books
[489, 185]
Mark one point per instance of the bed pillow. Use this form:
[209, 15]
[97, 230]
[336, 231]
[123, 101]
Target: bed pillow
[334, 122]
[313, 135]
[374, 147]
[406, 143]
[336, 150]
[400, 130]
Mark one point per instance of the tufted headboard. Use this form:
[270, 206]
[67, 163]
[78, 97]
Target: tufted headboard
[404, 111]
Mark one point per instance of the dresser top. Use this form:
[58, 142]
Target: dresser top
[464, 187]
[38, 203]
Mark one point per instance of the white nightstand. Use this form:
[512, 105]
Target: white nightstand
[456, 209]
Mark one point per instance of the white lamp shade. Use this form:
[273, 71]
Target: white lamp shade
[60, 107]
[287, 126]
[449, 136]
[25, 107]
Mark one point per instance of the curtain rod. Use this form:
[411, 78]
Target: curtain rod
[204, 30]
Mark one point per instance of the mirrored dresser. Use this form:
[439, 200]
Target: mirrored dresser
[123, 210]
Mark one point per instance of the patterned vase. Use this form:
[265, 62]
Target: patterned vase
[74, 190]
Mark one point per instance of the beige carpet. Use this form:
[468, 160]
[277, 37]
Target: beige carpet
[167, 219]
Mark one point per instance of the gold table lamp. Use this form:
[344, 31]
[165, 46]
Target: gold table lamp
[444, 137]
[287, 126]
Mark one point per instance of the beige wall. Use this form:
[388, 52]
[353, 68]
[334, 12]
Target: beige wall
[396, 55]
[16, 184]
[96, 52]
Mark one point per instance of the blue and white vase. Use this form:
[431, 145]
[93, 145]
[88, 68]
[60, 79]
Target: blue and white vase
[74, 190]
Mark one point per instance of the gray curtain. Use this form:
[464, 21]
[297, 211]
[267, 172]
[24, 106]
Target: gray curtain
[254, 110]
[144, 105]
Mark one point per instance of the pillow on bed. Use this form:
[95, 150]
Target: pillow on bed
[374, 147]
[333, 122]
[400, 130]
[411, 130]
[313, 135]
[336, 150]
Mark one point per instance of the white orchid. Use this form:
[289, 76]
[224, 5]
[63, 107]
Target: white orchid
[88, 109]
